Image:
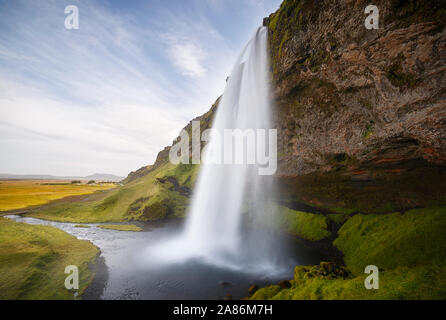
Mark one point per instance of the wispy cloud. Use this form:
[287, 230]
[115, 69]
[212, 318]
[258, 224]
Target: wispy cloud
[188, 57]
[109, 96]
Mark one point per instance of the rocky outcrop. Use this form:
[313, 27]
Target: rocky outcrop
[361, 114]
[132, 176]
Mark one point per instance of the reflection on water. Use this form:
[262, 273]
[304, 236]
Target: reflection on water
[136, 272]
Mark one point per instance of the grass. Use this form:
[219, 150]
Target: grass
[411, 239]
[33, 260]
[149, 197]
[305, 225]
[121, 227]
[409, 249]
[18, 194]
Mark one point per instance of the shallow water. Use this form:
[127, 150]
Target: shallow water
[136, 272]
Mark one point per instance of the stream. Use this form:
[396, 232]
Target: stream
[134, 272]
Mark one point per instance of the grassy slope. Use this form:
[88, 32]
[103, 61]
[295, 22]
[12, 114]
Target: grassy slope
[33, 260]
[145, 198]
[17, 194]
[409, 249]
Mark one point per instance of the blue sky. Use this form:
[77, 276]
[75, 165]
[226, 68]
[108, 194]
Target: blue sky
[108, 96]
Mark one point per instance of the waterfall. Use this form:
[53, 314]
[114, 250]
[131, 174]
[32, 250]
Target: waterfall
[225, 194]
[221, 190]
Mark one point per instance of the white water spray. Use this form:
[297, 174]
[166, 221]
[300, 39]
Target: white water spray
[225, 192]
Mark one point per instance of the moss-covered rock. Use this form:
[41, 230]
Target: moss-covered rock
[305, 225]
[409, 249]
[409, 239]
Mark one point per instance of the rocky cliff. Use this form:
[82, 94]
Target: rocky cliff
[361, 114]
[361, 118]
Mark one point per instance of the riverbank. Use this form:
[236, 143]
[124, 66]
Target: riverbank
[33, 260]
[139, 265]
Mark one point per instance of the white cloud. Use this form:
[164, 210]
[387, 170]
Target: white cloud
[109, 96]
[45, 128]
[188, 58]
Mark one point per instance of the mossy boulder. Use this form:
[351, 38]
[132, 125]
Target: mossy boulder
[409, 250]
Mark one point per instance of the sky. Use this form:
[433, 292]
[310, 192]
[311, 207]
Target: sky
[107, 97]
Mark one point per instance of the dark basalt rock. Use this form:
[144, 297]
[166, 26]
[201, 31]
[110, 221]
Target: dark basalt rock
[364, 108]
[284, 284]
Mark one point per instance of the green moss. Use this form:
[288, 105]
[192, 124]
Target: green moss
[82, 226]
[273, 21]
[266, 293]
[424, 282]
[409, 249]
[309, 226]
[368, 132]
[285, 38]
[411, 239]
[283, 23]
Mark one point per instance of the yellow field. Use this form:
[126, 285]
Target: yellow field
[18, 194]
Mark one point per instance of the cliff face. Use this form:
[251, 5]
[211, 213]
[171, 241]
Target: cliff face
[361, 118]
[361, 114]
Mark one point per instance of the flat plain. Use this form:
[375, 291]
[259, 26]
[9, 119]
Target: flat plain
[19, 194]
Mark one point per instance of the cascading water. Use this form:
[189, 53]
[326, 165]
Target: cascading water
[226, 193]
[213, 225]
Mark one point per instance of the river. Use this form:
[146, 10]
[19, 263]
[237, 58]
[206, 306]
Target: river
[134, 272]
